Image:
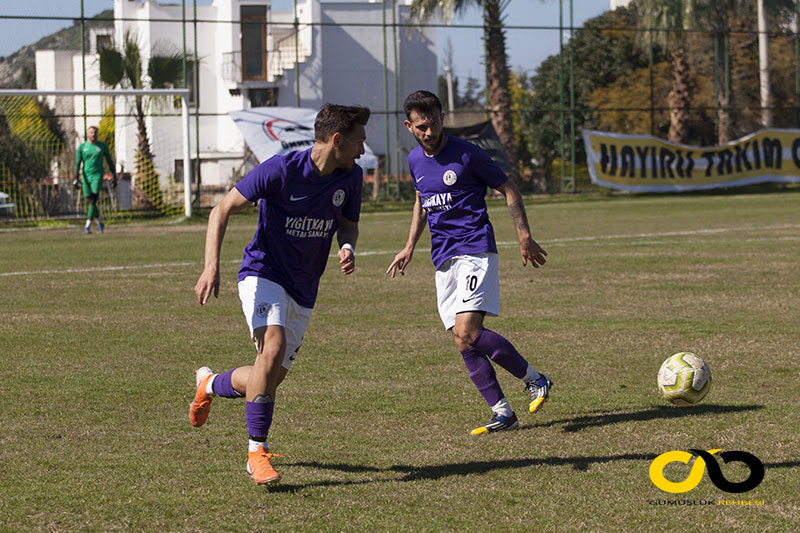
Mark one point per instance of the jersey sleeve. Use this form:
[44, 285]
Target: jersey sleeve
[413, 176]
[109, 160]
[486, 169]
[351, 210]
[78, 158]
[411, 169]
[263, 180]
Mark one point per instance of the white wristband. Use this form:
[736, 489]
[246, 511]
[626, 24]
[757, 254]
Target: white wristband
[348, 246]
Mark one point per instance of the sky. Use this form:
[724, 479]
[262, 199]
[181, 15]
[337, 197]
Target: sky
[526, 48]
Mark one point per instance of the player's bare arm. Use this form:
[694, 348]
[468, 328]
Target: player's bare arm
[403, 258]
[346, 236]
[528, 248]
[208, 282]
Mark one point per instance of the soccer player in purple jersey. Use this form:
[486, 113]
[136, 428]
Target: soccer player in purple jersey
[303, 199]
[451, 176]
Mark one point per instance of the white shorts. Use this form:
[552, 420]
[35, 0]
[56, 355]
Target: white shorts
[265, 303]
[468, 283]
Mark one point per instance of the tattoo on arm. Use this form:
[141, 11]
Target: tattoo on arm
[519, 216]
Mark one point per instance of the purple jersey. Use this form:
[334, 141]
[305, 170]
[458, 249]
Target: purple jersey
[298, 215]
[452, 187]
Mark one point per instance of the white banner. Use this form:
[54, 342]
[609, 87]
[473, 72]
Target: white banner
[648, 164]
[270, 131]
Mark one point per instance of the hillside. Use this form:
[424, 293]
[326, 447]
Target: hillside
[18, 71]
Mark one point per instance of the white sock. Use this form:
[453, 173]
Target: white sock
[254, 444]
[88, 222]
[502, 408]
[210, 385]
[530, 375]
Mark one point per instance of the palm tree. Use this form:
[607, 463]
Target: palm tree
[124, 68]
[497, 71]
[763, 65]
[672, 21]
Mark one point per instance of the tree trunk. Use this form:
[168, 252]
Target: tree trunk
[146, 177]
[763, 66]
[679, 98]
[498, 78]
[724, 114]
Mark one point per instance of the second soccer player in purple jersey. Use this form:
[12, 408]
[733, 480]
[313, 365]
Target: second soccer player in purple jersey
[304, 198]
[451, 176]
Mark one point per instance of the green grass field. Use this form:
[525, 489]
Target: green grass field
[100, 337]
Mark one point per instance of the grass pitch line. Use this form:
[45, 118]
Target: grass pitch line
[591, 238]
[665, 234]
[502, 244]
[97, 269]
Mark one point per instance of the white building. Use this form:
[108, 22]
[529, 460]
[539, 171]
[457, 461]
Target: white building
[247, 58]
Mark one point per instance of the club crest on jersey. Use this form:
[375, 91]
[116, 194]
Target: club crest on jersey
[449, 177]
[338, 197]
[262, 310]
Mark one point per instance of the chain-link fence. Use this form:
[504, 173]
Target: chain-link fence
[705, 76]
[41, 168]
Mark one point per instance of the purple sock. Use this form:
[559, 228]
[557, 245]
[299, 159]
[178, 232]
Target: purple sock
[502, 352]
[222, 385]
[259, 418]
[482, 375]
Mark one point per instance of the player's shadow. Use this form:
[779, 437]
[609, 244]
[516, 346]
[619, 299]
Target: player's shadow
[785, 464]
[573, 425]
[405, 473]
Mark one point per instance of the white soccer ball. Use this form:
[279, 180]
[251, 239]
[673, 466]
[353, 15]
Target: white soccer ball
[684, 379]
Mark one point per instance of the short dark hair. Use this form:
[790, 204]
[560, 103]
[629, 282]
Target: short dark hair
[333, 118]
[423, 102]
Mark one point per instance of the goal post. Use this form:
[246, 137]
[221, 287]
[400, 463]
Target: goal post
[140, 107]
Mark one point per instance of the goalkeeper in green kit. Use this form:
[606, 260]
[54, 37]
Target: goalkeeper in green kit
[91, 154]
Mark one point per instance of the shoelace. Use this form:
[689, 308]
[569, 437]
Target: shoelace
[269, 455]
[262, 467]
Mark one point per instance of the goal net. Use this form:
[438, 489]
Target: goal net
[146, 131]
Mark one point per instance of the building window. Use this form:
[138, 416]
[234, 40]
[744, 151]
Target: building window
[99, 38]
[177, 177]
[267, 97]
[103, 41]
[254, 42]
[190, 82]
[190, 75]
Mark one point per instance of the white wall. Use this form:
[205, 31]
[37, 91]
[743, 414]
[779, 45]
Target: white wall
[345, 66]
[217, 133]
[54, 73]
[353, 57]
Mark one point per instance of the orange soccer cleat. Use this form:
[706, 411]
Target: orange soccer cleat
[260, 468]
[201, 405]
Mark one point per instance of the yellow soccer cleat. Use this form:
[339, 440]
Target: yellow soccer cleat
[498, 423]
[538, 391]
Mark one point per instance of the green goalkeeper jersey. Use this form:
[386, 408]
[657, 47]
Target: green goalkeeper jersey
[92, 154]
